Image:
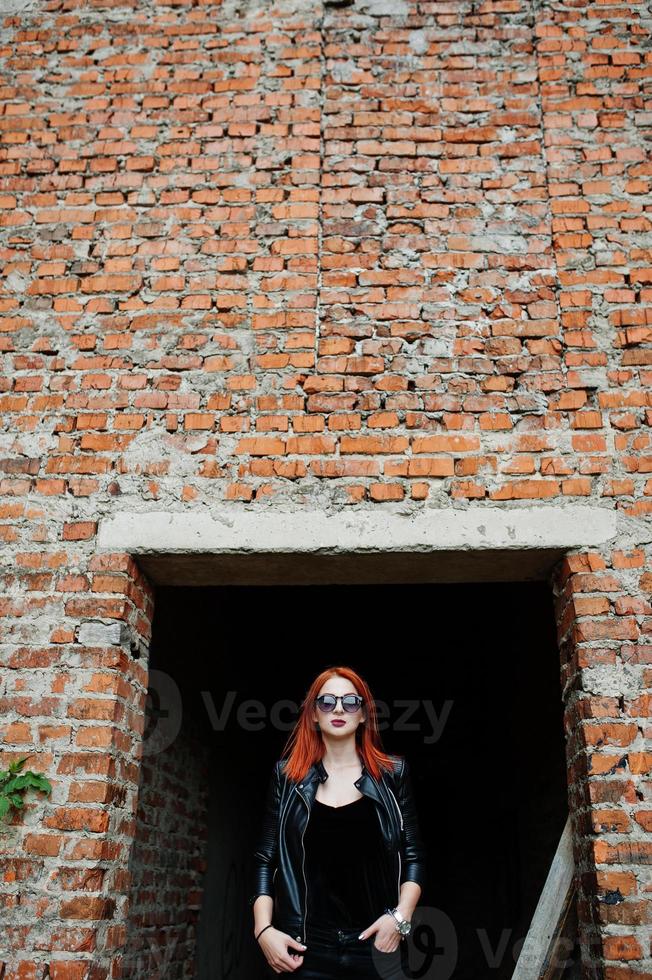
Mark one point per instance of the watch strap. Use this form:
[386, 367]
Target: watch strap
[396, 915]
[398, 918]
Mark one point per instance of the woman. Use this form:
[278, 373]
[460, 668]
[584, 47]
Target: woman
[340, 863]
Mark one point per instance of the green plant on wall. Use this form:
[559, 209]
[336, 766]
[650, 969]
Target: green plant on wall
[14, 783]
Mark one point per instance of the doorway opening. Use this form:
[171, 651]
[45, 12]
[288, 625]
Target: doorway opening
[467, 680]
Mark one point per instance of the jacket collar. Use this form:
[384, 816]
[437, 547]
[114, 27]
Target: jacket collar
[317, 774]
[322, 775]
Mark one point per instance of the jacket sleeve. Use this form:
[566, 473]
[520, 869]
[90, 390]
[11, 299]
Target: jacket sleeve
[414, 850]
[265, 856]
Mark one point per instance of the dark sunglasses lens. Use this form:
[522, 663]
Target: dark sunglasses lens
[326, 702]
[350, 704]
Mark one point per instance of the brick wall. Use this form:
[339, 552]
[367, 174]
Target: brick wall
[73, 701]
[167, 861]
[602, 608]
[384, 254]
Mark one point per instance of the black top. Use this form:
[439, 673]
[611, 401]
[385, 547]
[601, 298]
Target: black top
[344, 853]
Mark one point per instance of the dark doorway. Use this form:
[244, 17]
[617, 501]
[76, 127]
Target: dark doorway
[468, 676]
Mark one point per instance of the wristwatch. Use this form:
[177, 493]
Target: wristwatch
[403, 925]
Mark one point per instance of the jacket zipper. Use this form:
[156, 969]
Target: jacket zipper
[398, 884]
[305, 910]
[285, 810]
[400, 815]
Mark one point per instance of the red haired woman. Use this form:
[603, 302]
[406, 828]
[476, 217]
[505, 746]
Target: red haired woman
[340, 864]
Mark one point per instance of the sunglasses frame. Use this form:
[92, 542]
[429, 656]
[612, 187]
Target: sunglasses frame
[339, 697]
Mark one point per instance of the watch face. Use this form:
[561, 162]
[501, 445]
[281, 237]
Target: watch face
[404, 928]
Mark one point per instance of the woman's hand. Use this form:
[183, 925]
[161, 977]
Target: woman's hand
[274, 944]
[388, 938]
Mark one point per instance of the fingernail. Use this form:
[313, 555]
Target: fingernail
[360, 936]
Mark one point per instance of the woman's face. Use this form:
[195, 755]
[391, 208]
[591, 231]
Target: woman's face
[349, 719]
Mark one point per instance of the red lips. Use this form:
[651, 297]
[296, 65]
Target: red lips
[338, 724]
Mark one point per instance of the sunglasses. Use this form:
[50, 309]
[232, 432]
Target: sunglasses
[350, 702]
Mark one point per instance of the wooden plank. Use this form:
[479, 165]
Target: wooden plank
[551, 913]
[559, 964]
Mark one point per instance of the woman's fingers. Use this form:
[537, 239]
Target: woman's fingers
[383, 949]
[293, 961]
[388, 938]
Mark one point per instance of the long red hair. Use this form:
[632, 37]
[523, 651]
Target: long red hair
[305, 745]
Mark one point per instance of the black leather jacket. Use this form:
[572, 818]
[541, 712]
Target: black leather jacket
[279, 859]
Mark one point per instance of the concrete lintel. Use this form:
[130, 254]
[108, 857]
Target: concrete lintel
[313, 548]
[228, 531]
[314, 531]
